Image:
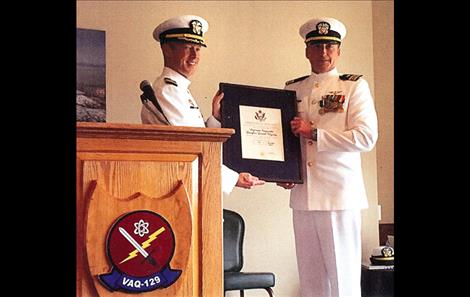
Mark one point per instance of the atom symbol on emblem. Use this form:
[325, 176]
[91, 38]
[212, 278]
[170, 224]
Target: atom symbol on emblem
[141, 228]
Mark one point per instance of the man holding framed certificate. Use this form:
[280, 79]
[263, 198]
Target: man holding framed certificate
[181, 40]
[336, 122]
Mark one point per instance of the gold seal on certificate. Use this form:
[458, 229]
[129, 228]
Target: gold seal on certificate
[263, 143]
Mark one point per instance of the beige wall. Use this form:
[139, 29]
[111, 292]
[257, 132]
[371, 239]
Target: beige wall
[383, 71]
[249, 42]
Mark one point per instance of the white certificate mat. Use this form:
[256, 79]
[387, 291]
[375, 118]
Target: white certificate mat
[261, 133]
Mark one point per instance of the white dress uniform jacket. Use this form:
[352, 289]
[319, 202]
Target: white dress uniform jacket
[332, 165]
[180, 109]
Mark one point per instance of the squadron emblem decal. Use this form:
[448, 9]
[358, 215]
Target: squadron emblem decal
[140, 246]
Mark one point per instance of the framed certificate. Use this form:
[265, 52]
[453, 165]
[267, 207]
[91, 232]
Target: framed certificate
[263, 143]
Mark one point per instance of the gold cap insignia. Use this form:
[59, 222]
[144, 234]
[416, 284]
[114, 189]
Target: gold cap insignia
[196, 26]
[323, 28]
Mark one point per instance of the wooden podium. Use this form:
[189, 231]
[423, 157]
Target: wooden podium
[161, 186]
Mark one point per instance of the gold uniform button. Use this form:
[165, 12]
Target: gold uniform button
[310, 164]
[310, 142]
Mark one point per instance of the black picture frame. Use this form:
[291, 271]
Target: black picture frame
[290, 169]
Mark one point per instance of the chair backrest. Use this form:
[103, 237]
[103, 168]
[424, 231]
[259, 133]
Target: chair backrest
[234, 231]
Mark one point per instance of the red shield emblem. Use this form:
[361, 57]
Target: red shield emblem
[140, 246]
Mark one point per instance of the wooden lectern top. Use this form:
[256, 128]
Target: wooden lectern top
[157, 132]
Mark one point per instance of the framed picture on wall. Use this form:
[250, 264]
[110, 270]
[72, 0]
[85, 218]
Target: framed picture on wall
[91, 76]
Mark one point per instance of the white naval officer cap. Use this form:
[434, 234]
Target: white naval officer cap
[184, 28]
[323, 30]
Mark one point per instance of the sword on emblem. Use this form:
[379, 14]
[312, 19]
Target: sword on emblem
[137, 246]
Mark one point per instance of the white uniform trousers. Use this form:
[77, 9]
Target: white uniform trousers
[328, 247]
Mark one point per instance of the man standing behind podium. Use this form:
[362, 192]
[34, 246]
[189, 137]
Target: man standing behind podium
[181, 40]
[336, 123]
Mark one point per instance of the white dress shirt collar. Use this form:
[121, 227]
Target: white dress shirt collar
[324, 75]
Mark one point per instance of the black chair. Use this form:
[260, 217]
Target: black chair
[234, 279]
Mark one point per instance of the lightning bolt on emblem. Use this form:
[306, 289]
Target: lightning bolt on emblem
[144, 245]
